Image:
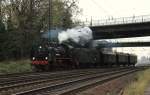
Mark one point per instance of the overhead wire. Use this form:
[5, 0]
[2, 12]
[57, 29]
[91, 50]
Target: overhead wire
[101, 8]
[108, 5]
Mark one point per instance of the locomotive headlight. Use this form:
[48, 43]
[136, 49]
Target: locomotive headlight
[33, 58]
[46, 58]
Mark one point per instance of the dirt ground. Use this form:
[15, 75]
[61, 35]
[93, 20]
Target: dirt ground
[114, 87]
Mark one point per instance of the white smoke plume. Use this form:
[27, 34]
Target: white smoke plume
[79, 35]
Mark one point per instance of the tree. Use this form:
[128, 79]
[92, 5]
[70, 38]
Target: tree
[2, 38]
[25, 19]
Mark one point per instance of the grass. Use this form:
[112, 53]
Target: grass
[139, 85]
[20, 66]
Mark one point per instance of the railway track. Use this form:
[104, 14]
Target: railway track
[31, 76]
[7, 76]
[17, 85]
[61, 83]
[23, 75]
[38, 76]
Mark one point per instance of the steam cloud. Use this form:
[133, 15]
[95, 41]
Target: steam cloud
[79, 35]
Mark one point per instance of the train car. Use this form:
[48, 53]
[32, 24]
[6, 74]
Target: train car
[132, 59]
[86, 58]
[109, 58]
[59, 56]
[122, 59]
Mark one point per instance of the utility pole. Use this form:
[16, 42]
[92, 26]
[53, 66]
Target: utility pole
[0, 10]
[50, 18]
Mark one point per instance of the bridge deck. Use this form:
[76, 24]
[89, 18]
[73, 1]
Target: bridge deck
[117, 21]
[124, 27]
[124, 44]
[121, 31]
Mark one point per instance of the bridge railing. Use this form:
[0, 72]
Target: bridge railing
[113, 21]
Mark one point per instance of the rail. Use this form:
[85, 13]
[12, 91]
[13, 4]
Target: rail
[68, 85]
[31, 82]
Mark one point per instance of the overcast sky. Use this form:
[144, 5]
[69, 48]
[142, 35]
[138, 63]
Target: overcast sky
[99, 9]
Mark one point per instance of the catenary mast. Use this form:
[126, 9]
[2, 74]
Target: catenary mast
[50, 19]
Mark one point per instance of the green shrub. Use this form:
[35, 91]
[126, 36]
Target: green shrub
[15, 66]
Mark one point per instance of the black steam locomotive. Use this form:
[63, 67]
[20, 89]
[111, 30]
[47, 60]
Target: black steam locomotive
[59, 56]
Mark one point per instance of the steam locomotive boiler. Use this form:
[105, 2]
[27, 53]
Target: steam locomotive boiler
[52, 57]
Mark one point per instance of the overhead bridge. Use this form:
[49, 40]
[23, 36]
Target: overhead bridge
[122, 28]
[124, 44]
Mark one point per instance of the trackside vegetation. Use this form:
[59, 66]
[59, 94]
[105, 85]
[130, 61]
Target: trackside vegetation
[140, 84]
[7, 67]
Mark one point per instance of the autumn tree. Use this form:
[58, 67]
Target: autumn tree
[23, 20]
